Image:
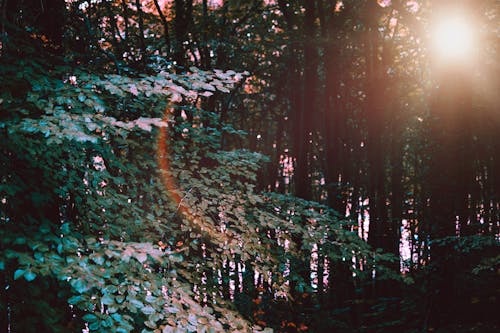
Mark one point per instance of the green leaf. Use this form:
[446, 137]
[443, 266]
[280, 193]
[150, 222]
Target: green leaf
[98, 259]
[29, 276]
[65, 228]
[89, 317]
[80, 285]
[94, 326]
[116, 317]
[39, 257]
[108, 322]
[136, 303]
[107, 300]
[155, 317]
[18, 273]
[176, 257]
[111, 289]
[75, 299]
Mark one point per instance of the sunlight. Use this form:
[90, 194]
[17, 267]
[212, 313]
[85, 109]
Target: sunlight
[453, 38]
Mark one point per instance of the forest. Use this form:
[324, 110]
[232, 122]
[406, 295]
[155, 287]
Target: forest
[249, 166]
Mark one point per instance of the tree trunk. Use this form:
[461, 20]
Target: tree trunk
[306, 113]
[182, 23]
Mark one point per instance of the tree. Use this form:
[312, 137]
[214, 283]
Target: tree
[244, 166]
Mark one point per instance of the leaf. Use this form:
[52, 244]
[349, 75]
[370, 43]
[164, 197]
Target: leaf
[107, 299]
[29, 276]
[143, 124]
[156, 317]
[136, 303]
[223, 89]
[18, 273]
[141, 257]
[110, 289]
[172, 309]
[39, 257]
[98, 259]
[150, 324]
[192, 319]
[108, 322]
[150, 299]
[80, 285]
[89, 317]
[206, 93]
[133, 90]
[148, 310]
[208, 87]
[176, 98]
[116, 317]
[94, 326]
[168, 329]
[176, 257]
[74, 300]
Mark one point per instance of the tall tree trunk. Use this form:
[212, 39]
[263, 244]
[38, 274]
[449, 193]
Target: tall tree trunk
[182, 23]
[334, 120]
[375, 121]
[204, 52]
[307, 111]
[445, 177]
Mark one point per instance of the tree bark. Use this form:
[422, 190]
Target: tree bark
[182, 23]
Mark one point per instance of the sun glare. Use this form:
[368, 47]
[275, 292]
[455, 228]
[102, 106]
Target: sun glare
[453, 38]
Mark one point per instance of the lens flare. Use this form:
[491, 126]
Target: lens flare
[198, 222]
[453, 38]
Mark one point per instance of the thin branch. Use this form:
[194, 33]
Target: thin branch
[165, 26]
[141, 29]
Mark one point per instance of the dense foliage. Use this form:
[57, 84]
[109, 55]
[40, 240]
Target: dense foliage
[244, 166]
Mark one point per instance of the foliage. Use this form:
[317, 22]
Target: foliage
[143, 190]
[81, 211]
[85, 210]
